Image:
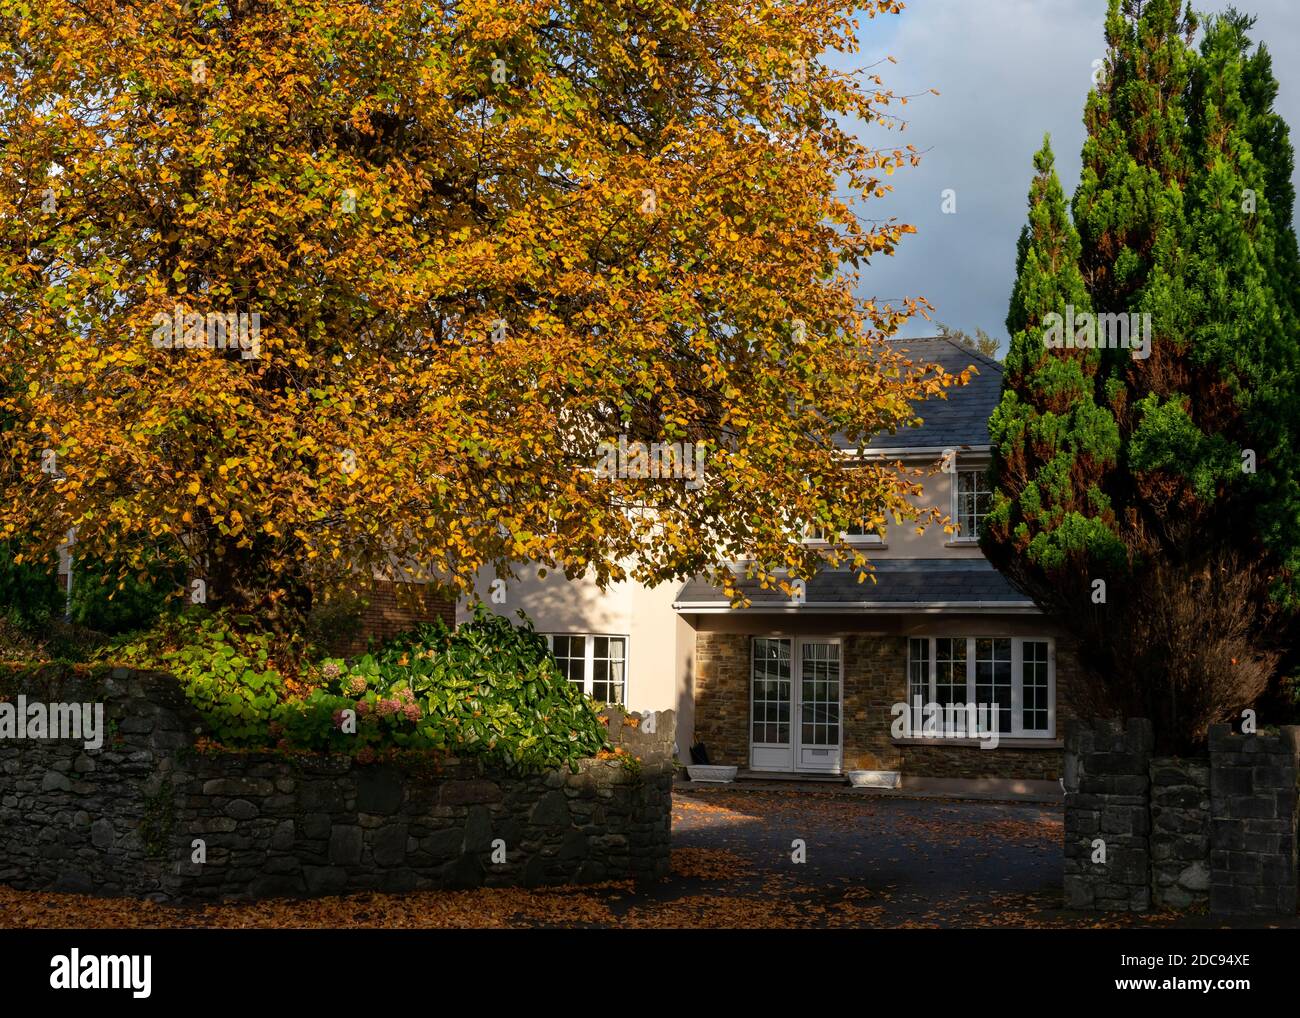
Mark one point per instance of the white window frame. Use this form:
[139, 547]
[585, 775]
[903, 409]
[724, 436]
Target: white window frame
[589, 658]
[961, 537]
[868, 539]
[1017, 679]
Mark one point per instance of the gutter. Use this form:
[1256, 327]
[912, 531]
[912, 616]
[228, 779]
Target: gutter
[855, 607]
[929, 450]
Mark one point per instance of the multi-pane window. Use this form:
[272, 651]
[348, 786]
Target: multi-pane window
[1013, 675]
[595, 664]
[771, 705]
[973, 498]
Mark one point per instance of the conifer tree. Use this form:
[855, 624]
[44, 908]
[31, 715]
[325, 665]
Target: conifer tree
[1145, 457]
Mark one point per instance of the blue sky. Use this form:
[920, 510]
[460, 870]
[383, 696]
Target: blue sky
[1008, 71]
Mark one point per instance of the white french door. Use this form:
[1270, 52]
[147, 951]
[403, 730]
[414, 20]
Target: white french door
[795, 697]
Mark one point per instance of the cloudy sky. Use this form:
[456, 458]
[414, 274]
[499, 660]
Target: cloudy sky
[1008, 71]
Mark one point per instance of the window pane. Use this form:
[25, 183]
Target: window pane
[918, 679]
[820, 689]
[1034, 682]
[993, 678]
[571, 655]
[771, 691]
[950, 670]
[608, 667]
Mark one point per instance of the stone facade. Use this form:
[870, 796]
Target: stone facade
[1107, 823]
[874, 679]
[129, 817]
[1253, 821]
[1217, 831]
[722, 662]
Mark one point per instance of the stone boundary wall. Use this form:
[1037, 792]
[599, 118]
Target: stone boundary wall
[1182, 833]
[1253, 821]
[124, 819]
[1107, 782]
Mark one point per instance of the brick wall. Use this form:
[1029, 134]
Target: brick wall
[392, 608]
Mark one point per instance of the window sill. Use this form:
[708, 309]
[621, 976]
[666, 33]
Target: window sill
[852, 544]
[1003, 743]
[963, 542]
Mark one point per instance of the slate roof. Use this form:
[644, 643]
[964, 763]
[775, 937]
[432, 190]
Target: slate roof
[901, 585]
[962, 418]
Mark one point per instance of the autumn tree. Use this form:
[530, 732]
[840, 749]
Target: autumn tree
[304, 288]
[1145, 447]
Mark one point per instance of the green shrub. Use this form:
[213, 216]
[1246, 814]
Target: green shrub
[30, 597]
[102, 602]
[489, 690]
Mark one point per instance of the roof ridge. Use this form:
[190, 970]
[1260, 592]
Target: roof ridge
[984, 358]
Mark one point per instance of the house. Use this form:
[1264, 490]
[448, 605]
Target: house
[846, 675]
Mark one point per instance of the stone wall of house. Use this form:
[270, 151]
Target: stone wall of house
[1181, 833]
[1107, 820]
[875, 678]
[972, 762]
[148, 815]
[1253, 821]
[722, 676]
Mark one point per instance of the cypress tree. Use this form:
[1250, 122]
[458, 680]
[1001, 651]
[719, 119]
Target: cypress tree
[1146, 479]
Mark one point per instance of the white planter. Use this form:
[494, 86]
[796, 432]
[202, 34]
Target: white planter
[711, 772]
[876, 779]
